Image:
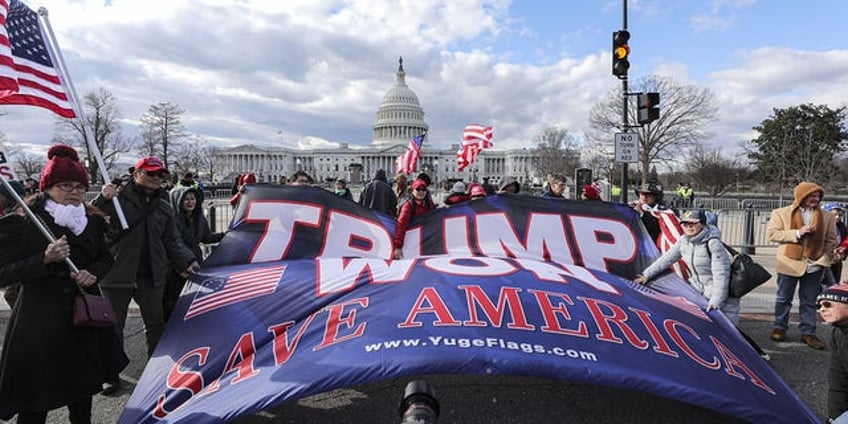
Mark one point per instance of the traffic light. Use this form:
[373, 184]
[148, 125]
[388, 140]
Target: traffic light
[648, 107]
[582, 177]
[620, 52]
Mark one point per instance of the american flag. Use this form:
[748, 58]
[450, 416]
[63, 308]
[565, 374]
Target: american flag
[27, 73]
[238, 286]
[408, 161]
[670, 231]
[475, 138]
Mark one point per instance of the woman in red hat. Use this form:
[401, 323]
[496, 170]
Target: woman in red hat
[47, 362]
[419, 204]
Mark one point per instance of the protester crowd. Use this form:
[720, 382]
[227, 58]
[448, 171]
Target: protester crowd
[149, 261]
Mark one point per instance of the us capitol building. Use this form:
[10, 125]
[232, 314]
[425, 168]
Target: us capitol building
[399, 119]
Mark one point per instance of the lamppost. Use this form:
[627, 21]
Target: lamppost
[436, 174]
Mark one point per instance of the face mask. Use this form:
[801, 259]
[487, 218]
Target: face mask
[340, 192]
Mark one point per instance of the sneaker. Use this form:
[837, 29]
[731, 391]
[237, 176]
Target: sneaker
[812, 341]
[778, 334]
[112, 388]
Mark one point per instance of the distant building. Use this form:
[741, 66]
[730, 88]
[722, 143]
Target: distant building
[399, 118]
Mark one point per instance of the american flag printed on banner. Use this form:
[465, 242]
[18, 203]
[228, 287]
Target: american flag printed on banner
[237, 287]
[27, 73]
[408, 161]
[670, 231]
[475, 138]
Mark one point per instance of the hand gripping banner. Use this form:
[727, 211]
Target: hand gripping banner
[301, 297]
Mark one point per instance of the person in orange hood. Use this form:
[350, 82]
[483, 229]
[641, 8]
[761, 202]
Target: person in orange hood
[807, 239]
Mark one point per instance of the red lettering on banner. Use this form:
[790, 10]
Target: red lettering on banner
[437, 307]
[618, 317]
[550, 313]
[508, 297]
[282, 348]
[660, 345]
[179, 379]
[732, 362]
[671, 328]
[244, 352]
[335, 320]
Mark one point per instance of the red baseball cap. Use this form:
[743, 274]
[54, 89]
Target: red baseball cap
[150, 164]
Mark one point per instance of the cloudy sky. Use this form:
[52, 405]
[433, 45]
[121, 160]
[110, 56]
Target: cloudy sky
[312, 72]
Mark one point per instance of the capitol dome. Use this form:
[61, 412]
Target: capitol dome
[400, 116]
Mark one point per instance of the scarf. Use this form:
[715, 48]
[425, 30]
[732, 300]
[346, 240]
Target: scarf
[811, 245]
[68, 216]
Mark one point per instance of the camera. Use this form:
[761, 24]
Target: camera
[419, 404]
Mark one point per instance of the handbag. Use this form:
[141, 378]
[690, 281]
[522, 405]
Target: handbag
[92, 310]
[745, 274]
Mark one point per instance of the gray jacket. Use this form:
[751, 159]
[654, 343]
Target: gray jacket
[706, 260]
[152, 235]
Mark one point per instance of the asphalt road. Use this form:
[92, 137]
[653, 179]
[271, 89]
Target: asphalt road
[479, 399]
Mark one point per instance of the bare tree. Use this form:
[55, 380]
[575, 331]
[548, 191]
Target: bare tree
[557, 152]
[162, 129]
[685, 111]
[102, 119]
[712, 171]
[27, 163]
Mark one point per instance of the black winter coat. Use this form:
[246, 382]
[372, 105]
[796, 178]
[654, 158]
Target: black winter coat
[837, 376]
[152, 234]
[46, 361]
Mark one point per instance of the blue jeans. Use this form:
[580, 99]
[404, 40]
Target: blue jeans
[809, 286]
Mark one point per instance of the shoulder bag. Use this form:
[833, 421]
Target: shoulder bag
[745, 274]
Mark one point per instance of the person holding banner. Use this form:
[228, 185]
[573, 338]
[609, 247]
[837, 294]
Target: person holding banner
[145, 252]
[47, 362]
[706, 259]
[194, 229]
[419, 204]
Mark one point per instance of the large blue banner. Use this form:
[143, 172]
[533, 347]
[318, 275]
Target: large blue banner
[301, 297]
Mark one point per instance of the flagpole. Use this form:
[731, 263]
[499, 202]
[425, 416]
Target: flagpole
[65, 78]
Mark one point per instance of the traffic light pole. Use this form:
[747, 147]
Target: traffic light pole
[624, 88]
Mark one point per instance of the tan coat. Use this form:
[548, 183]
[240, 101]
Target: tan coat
[782, 230]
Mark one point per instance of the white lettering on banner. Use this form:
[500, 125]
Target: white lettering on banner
[618, 245]
[341, 275]
[455, 236]
[601, 240]
[477, 266]
[544, 237]
[281, 219]
[351, 236]
[550, 272]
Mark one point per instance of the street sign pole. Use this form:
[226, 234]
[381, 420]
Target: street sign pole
[624, 89]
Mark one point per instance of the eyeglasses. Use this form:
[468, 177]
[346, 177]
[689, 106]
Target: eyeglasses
[824, 304]
[421, 189]
[157, 174]
[69, 187]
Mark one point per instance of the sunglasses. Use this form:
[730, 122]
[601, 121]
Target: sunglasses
[421, 189]
[688, 224]
[824, 304]
[157, 174]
